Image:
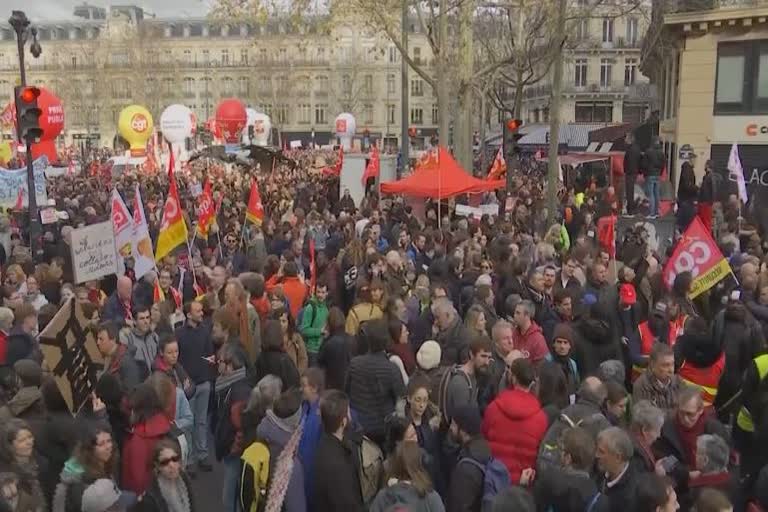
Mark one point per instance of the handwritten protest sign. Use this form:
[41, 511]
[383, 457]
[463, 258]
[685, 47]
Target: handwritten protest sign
[13, 180]
[93, 252]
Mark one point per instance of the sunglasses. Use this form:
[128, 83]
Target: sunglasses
[165, 462]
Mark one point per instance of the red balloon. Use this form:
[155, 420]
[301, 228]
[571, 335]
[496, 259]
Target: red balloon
[231, 119]
[52, 118]
[47, 148]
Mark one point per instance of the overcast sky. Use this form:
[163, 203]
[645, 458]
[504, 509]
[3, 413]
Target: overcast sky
[62, 9]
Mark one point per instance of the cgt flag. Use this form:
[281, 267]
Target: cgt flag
[255, 211]
[173, 229]
[207, 215]
[498, 168]
[373, 167]
[696, 252]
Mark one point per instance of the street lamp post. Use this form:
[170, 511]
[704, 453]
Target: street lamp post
[20, 24]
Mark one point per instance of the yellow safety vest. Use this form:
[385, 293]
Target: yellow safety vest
[744, 419]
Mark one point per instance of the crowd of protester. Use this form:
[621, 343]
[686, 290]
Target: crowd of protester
[403, 363]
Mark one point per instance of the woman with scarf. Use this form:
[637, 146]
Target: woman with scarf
[171, 488]
[293, 343]
[17, 456]
[96, 457]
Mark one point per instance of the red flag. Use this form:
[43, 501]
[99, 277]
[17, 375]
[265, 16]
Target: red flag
[207, 213]
[255, 211]
[606, 234]
[171, 164]
[157, 293]
[373, 167]
[339, 162]
[498, 167]
[19, 200]
[696, 252]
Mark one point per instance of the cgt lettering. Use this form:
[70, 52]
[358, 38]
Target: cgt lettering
[753, 130]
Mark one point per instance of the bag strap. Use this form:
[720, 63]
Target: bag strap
[469, 460]
[593, 501]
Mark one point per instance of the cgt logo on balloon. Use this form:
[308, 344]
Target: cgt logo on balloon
[139, 123]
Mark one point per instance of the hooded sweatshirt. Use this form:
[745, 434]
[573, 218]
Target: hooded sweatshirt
[142, 346]
[276, 433]
[137, 451]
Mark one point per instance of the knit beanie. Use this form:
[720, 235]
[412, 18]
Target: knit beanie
[428, 356]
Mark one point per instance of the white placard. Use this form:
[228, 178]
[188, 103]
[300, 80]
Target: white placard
[48, 216]
[468, 211]
[93, 252]
[489, 209]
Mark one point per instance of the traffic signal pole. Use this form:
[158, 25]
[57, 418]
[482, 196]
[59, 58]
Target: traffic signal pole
[20, 23]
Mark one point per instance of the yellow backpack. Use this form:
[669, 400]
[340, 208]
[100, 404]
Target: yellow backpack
[254, 479]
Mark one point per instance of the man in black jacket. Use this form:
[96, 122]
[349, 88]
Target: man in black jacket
[336, 477]
[655, 163]
[373, 382]
[465, 493]
[614, 451]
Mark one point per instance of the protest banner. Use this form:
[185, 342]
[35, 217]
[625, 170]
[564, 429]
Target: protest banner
[696, 252]
[11, 181]
[93, 252]
[70, 351]
[48, 216]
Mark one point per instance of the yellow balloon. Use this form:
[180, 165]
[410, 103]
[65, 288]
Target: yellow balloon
[135, 126]
[579, 198]
[6, 152]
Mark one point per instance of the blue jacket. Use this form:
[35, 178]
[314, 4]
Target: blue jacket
[276, 437]
[310, 438]
[114, 311]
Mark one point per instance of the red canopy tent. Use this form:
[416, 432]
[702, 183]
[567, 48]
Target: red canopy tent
[444, 180]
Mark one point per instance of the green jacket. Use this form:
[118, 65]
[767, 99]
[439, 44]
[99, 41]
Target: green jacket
[313, 320]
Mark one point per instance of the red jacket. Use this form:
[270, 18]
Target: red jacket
[137, 452]
[514, 425]
[293, 289]
[531, 343]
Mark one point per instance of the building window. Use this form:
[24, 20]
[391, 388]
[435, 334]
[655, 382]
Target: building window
[265, 85]
[263, 54]
[225, 57]
[417, 116]
[391, 114]
[320, 114]
[305, 114]
[632, 30]
[368, 84]
[594, 112]
[391, 84]
[281, 114]
[435, 115]
[394, 55]
[244, 56]
[607, 30]
[187, 56]
[322, 84]
[205, 86]
[580, 73]
[206, 57]
[226, 86]
[582, 29]
[189, 87]
[417, 55]
[346, 85]
[168, 86]
[606, 68]
[321, 55]
[630, 71]
[243, 86]
[417, 87]
[283, 55]
[742, 78]
[368, 114]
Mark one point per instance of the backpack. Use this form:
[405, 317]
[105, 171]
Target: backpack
[254, 477]
[549, 451]
[442, 398]
[371, 469]
[495, 480]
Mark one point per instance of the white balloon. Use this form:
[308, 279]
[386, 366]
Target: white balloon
[262, 127]
[345, 129]
[176, 124]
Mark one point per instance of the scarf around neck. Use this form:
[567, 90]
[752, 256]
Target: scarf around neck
[175, 494]
[226, 381]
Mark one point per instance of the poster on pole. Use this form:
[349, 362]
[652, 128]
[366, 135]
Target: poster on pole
[93, 252]
[70, 351]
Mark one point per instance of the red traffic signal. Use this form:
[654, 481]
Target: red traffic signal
[29, 94]
[514, 124]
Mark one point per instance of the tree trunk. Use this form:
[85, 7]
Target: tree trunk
[443, 100]
[463, 127]
[554, 120]
[483, 116]
[519, 89]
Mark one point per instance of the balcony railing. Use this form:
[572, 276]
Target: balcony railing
[682, 6]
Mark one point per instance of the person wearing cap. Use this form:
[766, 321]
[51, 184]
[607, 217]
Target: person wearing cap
[103, 495]
[635, 335]
[465, 492]
[428, 367]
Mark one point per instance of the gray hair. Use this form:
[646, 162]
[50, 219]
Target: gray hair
[443, 305]
[498, 327]
[716, 450]
[6, 319]
[529, 307]
[618, 442]
[613, 369]
[593, 390]
[646, 416]
[265, 393]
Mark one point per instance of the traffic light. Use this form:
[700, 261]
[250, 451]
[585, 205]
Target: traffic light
[28, 114]
[512, 134]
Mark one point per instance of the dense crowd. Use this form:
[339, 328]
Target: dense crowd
[349, 358]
